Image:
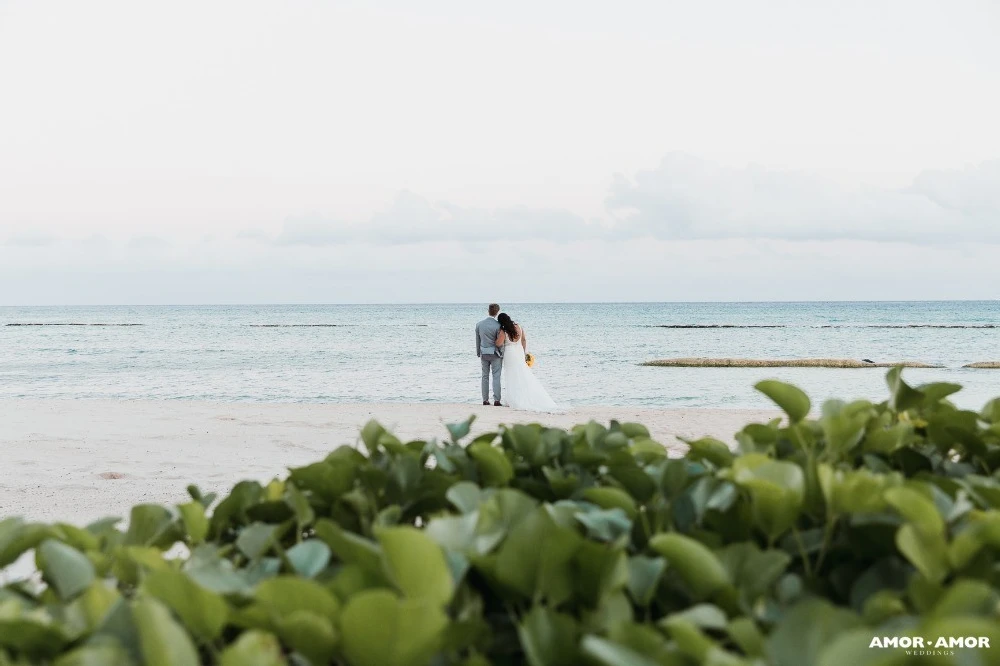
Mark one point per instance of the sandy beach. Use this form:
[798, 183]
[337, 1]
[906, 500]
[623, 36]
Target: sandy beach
[79, 460]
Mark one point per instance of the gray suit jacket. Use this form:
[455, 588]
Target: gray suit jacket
[486, 337]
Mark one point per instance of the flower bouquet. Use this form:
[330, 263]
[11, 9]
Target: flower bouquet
[529, 359]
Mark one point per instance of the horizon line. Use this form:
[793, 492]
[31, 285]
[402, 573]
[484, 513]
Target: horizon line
[478, 303]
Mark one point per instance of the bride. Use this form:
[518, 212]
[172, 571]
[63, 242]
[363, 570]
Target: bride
[521, 390]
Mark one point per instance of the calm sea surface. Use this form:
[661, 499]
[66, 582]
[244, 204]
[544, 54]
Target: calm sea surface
[587, 353]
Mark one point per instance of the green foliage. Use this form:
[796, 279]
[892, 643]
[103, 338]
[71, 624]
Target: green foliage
[547, 547]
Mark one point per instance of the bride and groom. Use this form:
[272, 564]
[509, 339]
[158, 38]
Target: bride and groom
[500, 345]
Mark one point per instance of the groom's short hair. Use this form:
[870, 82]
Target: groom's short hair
[494, 309]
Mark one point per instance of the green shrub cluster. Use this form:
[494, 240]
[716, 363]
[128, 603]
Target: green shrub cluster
[547, 547]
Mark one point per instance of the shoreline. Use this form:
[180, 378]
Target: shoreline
[835, 363]
[78, 460]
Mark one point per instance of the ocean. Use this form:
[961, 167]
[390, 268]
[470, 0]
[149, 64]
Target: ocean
[588, 354]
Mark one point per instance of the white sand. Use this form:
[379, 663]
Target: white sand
[54, 452]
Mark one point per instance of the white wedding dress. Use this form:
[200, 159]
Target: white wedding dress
[521, 389]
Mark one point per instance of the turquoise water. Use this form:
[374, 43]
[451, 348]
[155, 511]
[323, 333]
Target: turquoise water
[587, 353]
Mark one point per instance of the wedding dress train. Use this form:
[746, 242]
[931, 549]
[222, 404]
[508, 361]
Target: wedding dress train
[521, 389]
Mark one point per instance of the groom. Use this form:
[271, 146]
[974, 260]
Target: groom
[490, 354]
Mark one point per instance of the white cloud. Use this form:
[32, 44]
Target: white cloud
[688, 198]
[148, 242]
[411, 218]
[30, 240]
[96, 241]
[973, 192]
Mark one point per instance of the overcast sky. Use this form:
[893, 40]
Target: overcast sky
[436, 151]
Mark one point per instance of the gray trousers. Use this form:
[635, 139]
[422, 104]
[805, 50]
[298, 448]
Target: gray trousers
[491, 363]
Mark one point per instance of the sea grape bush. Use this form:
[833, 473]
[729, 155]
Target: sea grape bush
[547, 547]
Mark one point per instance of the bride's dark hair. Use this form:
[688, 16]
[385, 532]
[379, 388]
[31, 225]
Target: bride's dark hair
[508, 326]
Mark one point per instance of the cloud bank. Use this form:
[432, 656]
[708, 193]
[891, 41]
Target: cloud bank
[687, 198]
[413, 219]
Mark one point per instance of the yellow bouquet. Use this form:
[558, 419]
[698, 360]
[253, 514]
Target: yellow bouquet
[529, 359]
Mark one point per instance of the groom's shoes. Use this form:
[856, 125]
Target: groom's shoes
[496, 403]
[486, 402]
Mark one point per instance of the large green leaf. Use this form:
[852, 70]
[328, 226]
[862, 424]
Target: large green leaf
[991, 411]
[105, 653]
[975, 536]
[494, 468]
[151, 525]
[901, 395]
[635, 430]
[257, 539]
[232, 511]
[532, 559]
[689, 638]
[203, 612]
[789, 398]
[284, 595]
[350, 547]
[611, 498]
[454, 533]
[254, 648]
[304, 514]
[928, 552]
[208, 569]
[711, 449]
[460, 430]
[81, 539]
[856, 491]
[805, 630]
[605, 525]
[380, 629]
[745, 633]
[938, 391]
[752, 570]
[549, 638]
[195, 522]
[844, 425]
[536, 445]
[309, 557]
[18, 537]
[967, 598]
[34, 636]
[64, 568]
[916, 508]
[608, 653]
[777, 489]
[600, 576]
[163, 642]
[465, 496]
[698, 566]
[91, 607]
[703, 616]
[371, 433]
[416, 564]
[327, 480]
[644, 575]
[309, 634]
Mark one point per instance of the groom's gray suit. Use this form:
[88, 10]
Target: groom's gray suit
[490, 355]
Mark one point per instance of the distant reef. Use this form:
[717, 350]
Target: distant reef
[987, 365]
[782, 363]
